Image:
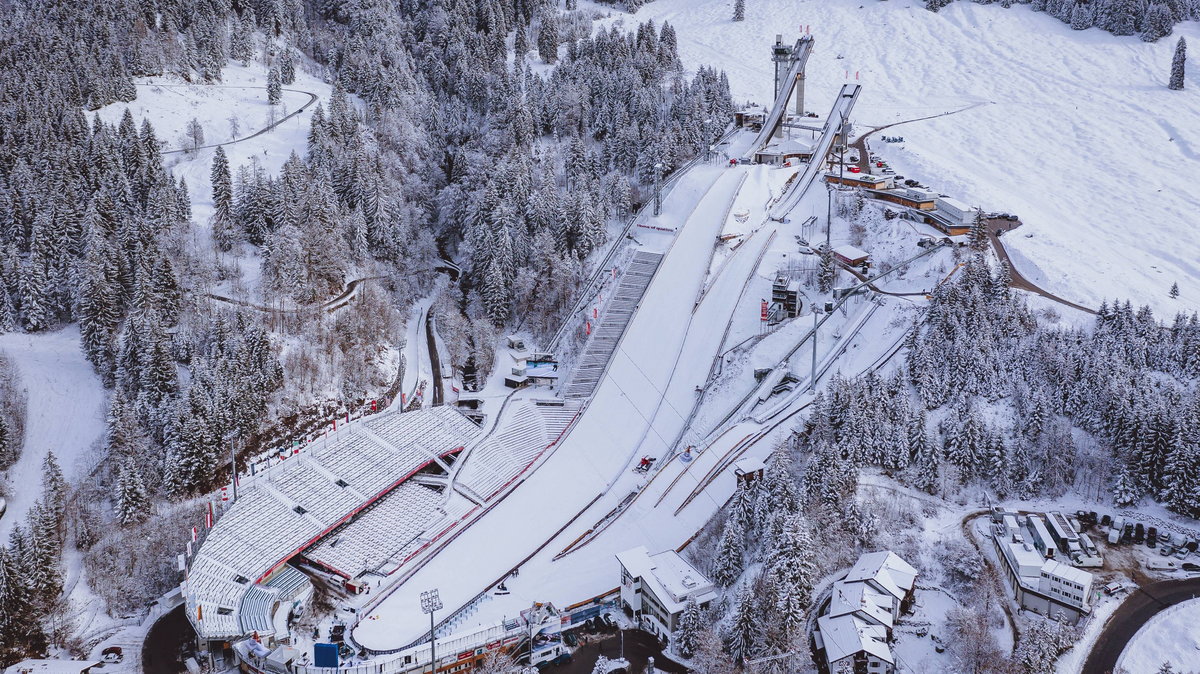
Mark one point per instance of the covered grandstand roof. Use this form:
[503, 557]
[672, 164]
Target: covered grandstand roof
[291, 506]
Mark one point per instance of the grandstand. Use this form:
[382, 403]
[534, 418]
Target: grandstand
[293, 505]
[528, 428]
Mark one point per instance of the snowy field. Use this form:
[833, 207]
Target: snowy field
[1171, 636]
[170, 104]
[66, 414]
[1074, 131]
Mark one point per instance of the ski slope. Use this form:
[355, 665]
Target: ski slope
[781, 102]
[599, 451]
[65, 414]
[1078, 134]
[843, 107]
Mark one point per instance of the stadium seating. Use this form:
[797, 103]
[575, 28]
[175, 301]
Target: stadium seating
[526, 430]
[377, 533]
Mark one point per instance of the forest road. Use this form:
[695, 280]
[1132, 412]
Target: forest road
[312, 98]
[1138, 608]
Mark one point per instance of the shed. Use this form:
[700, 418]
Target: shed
[850, 255]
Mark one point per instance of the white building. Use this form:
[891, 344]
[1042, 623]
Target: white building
[956, 211]
[863, 609]
[657, 587]
[1044, 585]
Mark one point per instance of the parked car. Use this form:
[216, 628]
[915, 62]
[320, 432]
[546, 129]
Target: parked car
[1188, 566]
[1166, 549]
[1190, 545]
[1181, 553]
[1139, 534]
[1152, 536]
[1106, 520]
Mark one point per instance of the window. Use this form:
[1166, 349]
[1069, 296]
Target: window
[341, 483]
[221, 610]
[299, 510]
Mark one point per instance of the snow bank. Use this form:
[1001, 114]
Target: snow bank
[1171, 636]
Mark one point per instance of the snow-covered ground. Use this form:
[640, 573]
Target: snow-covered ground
[1076, 131]
[1171, 636]
[241, 97]
[66, 414]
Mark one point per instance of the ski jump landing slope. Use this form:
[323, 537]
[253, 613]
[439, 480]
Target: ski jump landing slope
[833, 123]
[781, 100]
[600, 448]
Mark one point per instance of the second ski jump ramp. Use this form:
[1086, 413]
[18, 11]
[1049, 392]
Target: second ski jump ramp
[833, 124]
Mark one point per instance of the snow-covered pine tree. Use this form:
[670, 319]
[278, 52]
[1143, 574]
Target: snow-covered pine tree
[548, 38]
[1157, 22]
[791, 567]
[54, 492]
[977, 238]
[744, 626]
[691, 623]
[287, 66]
[1174, 292]
[728, 562]
[1126, 491]
[223, 227]
[827, 273]
[132, 503]
[274, 86]
[1178, 64]
[739, 10]
[1082, 16]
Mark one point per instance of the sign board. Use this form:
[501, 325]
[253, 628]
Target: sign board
[325, 655]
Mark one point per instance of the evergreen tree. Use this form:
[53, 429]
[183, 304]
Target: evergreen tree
[744, 626]
[977, 236]
[274, 87]
[1174, 292]
[687, 636]
[1178, 63]
[728, 562]
[792, 570]
[739, 10]
[54, 492]
[548, 38]
[827, 274]
[133, 503]
[1156, 23]
[223, 226]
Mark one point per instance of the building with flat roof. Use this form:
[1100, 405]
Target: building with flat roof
[859, 180]
[1051, 587]
[657, 588]
[847, 254]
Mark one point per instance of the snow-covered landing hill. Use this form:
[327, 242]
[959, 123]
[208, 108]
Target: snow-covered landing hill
[1078, 133]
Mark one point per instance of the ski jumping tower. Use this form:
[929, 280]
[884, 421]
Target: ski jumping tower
[789, 72]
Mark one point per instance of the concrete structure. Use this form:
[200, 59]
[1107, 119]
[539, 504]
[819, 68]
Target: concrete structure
[922, 200]
[956, 211]
[657, 587]
[785, 292]
[1051, 587]
[866, 180]
[856, 627]
[789, 150]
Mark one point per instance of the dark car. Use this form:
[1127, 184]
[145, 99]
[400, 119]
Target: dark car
[1106, 521]
[1152, 537]
[1139, 534]
[1127, 533]
[1188, 566]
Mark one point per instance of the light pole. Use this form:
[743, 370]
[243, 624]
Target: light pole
[430, 602]
[812, 380]
[657, 188]
[231, 438]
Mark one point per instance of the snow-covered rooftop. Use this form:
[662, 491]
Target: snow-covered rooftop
[669, 576]
[887, 569]
[861, 597]
[52, 666]
[1067, 572]
[846, 635]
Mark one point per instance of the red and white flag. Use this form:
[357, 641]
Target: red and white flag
[208, 516]
[195, 535]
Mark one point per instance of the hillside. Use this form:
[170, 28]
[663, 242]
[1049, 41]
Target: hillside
[1075, 131]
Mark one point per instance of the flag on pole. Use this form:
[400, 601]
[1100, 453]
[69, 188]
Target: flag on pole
[335, 423]
[347, 418]
[195, 534]
[208, 516]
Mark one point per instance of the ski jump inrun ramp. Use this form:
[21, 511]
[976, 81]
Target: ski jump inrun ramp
[833, 124]
[775, 118]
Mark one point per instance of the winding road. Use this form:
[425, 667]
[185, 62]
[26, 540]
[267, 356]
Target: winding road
[1135, 611]
[312, 98]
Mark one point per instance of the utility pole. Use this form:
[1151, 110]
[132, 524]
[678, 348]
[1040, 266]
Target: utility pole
[430, 602]
[658, 167]
[812, 380]
[232, 440]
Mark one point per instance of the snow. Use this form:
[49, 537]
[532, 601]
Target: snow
[1074, 131]
[170, 103]
[1172, 635]
[65, 415]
